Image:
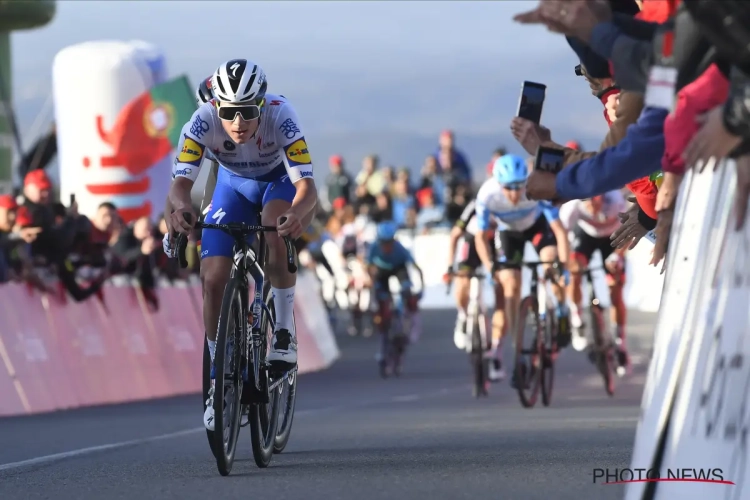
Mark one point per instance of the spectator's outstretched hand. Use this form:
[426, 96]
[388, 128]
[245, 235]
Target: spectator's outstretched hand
[541, 186]
[529, 134]
[713, 140]
[631, 231]
[569, 17]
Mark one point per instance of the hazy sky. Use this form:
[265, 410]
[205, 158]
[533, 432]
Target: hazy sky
[361, 73]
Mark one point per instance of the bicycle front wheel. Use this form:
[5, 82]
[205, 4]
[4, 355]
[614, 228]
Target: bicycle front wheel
[287, 400]
[550, 351]
[206, 387]
[264, 415]
[230, 344]
[605, 362]
[529, 352]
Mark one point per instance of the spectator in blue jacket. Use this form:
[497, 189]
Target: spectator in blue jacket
[457, 158]
[637, 155]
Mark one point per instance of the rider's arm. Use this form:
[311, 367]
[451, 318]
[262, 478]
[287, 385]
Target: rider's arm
[297, 161]
[190, 152]
[485, 232]
[561, 235]
[459, 229]
[410, 260]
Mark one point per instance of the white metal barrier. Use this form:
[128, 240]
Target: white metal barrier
[694, 408]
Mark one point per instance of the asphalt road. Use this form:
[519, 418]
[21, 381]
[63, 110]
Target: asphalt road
[355, 436]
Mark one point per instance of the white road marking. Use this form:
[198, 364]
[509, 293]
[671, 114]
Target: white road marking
[135, 442]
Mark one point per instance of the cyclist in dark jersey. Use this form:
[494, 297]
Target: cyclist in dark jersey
[461, 265]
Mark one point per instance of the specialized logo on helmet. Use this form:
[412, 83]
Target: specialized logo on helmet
[234, 67]
[297, 153]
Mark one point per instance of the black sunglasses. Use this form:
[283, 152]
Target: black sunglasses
[229, 112]
[579, 70]
[513, 186]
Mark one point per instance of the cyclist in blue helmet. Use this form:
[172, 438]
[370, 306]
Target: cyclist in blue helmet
[502, 200]
[387, 257]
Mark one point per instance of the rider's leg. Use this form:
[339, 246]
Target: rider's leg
[510, 280]
[577, 262]
[461, 290]
[409, 302]
[227, 206]
[276, 199]
[499, 324]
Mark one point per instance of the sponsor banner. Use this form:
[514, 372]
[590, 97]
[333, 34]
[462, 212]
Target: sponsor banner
[60, 354]
[694, 402]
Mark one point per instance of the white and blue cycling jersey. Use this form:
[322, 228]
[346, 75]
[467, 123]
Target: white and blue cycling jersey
[491, 203]
[251, 174]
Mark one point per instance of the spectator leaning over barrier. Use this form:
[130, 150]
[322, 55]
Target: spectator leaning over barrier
[401, 201]
[638, 154]
[447, 152]
[429, 214]
[10, 263]
[134, 254]
[338, 182]
[383, 210]
[370, 176]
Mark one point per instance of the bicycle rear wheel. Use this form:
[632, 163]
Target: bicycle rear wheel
[604, 354]
[548, 362]
[399, 342]
[264, 415]
[529, 352]
[230, 344]
[287, 399]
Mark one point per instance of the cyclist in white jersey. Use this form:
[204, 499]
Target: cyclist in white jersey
[466, 261]
[203, 94]
[265, 166]
[502, 199]
[592, 222]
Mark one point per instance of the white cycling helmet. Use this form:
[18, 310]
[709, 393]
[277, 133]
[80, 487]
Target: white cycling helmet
[239, 81]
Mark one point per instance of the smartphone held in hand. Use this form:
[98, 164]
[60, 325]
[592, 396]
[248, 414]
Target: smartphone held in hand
[549, 160]
[531, 101]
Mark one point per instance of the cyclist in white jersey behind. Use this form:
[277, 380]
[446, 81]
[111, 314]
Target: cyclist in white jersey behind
[592, 222]
[203, 94]
[519, 220]
[265, 166]
[466, 262]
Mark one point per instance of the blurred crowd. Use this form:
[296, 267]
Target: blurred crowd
[55, 249]
[436, 198]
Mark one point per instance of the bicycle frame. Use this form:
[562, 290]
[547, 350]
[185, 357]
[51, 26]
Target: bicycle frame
[242, 254]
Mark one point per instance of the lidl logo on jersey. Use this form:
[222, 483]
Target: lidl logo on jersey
[191, 153]
[297, 153]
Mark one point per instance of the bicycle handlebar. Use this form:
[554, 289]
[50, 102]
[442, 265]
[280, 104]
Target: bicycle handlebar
[239, 231]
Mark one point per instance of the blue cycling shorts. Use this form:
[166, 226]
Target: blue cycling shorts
[239, 199]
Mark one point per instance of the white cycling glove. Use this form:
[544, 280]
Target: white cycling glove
[169, 250]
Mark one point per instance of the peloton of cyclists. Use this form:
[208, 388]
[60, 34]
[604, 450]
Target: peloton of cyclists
[259, 143]
[387, 257]
[502, 199]
[592, 222]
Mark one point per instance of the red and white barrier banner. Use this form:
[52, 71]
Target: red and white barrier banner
[60, 354]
